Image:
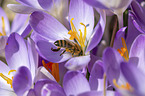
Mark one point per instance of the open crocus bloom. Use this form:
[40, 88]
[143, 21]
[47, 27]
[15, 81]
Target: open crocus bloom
[20, 59]
[53, 39]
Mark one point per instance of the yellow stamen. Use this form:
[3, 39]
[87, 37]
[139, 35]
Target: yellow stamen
[123, 51]
[11, 71]
[9, 81]
[3, 33]
[53, 68]
[126, 87]
[74, 34]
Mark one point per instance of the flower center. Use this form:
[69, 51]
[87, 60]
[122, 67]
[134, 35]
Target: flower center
[74, 34]
[123, 51]
[53, 68]
[126, 87]
[3, 33]
[9, 81]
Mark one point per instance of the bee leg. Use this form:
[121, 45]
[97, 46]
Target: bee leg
[55, 50]
[62, 52]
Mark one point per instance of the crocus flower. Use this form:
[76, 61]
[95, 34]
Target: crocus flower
[56, 8]
[112, 65]
[19, 25]
[20, 59]
[47, 30]
[116, 6]
[136, 22]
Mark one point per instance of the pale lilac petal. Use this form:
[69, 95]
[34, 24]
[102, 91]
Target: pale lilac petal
[7, 26]
[22, 80]
[19, 23]
[112, 60]
[52, 90]
[75, 83]
[48, 27]
[33, 3]
[42, 73]
[138, 50]
[96, 73]
[98, 31]
[4, 69]
[82, 12]
[21, 8]
[77, 63]
[117, 41]
[4, 92]
[16, 52]
[33, 57]
[39, 85]
[134, 76]
[98, 93]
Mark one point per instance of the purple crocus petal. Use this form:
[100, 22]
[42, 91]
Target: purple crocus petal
[4, 69]
[77, 63]
[21, 8]
[92, 61]
[117, 41]
[44, 50]
[46, 4]
[112, 60]
[16, 52]
[19, 23]
[98, 93]
[7, 26]
[33, 57]
[132, 32]
[33, 3]
[82, 12]
[75, 83]
[96, 73]
[98, 31]
[134, 76]
[139, 12]
[39, 85]
[138, 50]
[48, 27]
[22, 80]
[52, 90]
[96, 3]
[27, 30]
[31, 93]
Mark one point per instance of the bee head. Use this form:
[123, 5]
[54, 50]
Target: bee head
[56, 43]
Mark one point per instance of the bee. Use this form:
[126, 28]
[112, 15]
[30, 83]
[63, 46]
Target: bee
[69, 46]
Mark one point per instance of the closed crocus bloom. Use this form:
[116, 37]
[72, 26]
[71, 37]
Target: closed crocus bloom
[55, 43]
[19, 25]
[116, 6]
[56, 8]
